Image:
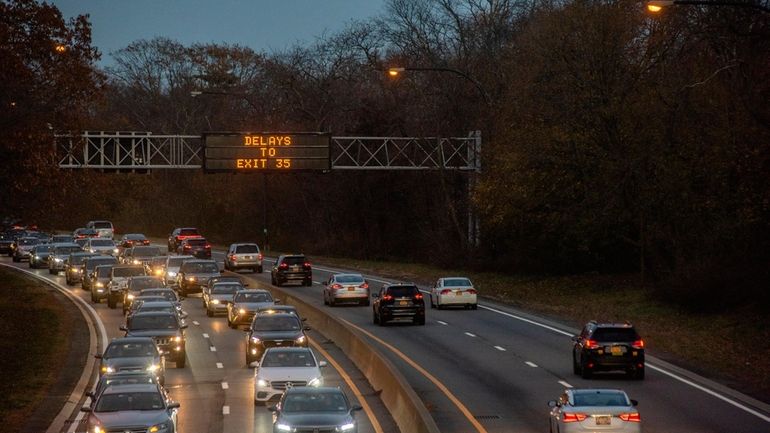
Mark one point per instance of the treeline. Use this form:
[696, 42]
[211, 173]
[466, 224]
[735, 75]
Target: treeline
[612, 141]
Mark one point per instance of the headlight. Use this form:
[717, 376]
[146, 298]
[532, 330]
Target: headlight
[241, 311]
[177, 339]
[158, 428]
[158, 272]
[137, 262]
[98, 429]
[255, 339]
[99, 284]
[115, 250]
[130, 296]
[171, 273]
[153, 367]
[190, 278]
[215, 301]
[57, 260]
[37, 257]
[78, 270]
[346, 427]
[316, 381]
[283, 427]
[106, 369]
[301, 339]
[262, 383]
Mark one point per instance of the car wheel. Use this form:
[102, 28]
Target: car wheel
[182, 360]
[308, 283]
[585, 372]
[15, 259]
[93, 298]
[230, 322]
[475, 307]
[51, 271]
[432, 305]
[272, 280]
[375, 319]
[260, 270]
[365, 303]
[575, 365]
[332, 302]
[419, 320]
[638, 374]
[209, 313]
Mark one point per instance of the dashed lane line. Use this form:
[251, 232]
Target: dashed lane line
[565, 384]
[470, 335]
[205, 335]
[225, 385]
[225, 410]
[219, 365]
[442, 322]
[531, 364]
[502, 349]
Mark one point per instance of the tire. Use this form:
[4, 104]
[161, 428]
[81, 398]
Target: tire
[575, 365]
[16, 259]
[365, 303]
[375, 319]
[332, 302]
[585, 373]
[638, 374]
[475, 307]
[432, 305]
[230, 322]
[326, 302]
[419, 321]
[308, 283]
[111, 302]
[30, 265]
[93, 298]
[51, 271]
[260, 269]
[209, 313]
[182, 361]
[272, 280]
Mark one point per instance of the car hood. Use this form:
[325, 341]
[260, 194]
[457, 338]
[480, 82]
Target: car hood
[153, 333]
[289, 373]
[202, 276]
[315, 419]
[131, 419]
[222, 297]
[251, 306]
[130, 361]
[276, 335]
[46, 254]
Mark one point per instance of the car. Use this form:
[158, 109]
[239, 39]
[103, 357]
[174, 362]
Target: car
[136, 285]
[156, 266]
[130, 239]
[310, 409]
[138, 301]
[39, 255]
[272, 309]
[453, 291]
[278, 329]
[99, 282]
[285, 367]
[73, 267]
[132, 408]
[23, 248]
[140, 254]
[608, 347]
[62, 239]
[167, 295]
[245, 304]
[292, 267]
[136, 377]
[81, 242]
[197, 247]
[194, 274]
[59, 256]
[88, 266]
[227, 279]
[244, 256]
[217, 296]
[398, 301]
[119, 282]
[341, 288]
[101, 246]
[104, 229]
[6, 240]
[171, 268]
[594, 410]
[179, 234]
[132, 354]
[167, 329]
[85, 233]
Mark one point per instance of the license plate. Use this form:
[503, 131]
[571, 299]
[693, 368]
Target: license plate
[604, 420]
[295, 268]
[247, 258]
[351, 288]
[459, 293]
[403, 302]
[616, 350]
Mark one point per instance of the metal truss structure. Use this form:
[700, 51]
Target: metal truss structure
[145, 151]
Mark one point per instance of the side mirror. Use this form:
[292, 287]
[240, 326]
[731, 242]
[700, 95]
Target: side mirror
[90, 394]
[634, 402]
[272, 409]
[85, 409]
[552, 403]
[254, 364]
[174, 405]
[355, 408]
[98, 356]
[322, 363]
[276, 301]
[306, 328]
[123, 328]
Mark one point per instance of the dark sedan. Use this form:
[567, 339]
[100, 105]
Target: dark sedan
[132, 408]
[132, 354]
[39, 256]
[278, 329]
[310, 409]
[165, 328]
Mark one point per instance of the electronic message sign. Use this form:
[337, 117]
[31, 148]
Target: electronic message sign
[266, 151]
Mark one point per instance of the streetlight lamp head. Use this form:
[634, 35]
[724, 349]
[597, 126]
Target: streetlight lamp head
[656, 6]
[60, 48]
[395, 72]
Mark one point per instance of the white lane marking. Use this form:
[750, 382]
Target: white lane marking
[76, 422]
[195, 322]
[225, 385]
[316, 282]
[219, 365]
[531, 364]
[212, 348]
[205, 335]
[443, 323]
[502, 349]
[565, 384]
[523, 319]
[469, 334]
[225, 410]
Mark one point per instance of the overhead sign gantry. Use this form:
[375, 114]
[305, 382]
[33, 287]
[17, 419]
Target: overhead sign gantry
[266, 151]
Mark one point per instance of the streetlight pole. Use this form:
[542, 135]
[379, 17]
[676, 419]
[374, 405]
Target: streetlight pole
[656, 6]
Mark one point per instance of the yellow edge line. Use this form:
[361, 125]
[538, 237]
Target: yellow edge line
[351, 384]
[480, 428]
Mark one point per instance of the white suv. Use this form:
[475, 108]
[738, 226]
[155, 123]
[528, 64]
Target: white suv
[105, 228]
[285, 367]
[243, 256]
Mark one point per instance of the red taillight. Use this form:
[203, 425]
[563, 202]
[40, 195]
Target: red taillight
[146, 242]
[592, 344]
[336, 286]
[364, 286]
[387, 298]
[208, 246]
[283, 265]
[446, 292]
[306, 265]
[573, 417]
[638, 344]
[259, 256]
[630, 417]
[418, 296]
[233, 257]
[187, 247]
[471, 291]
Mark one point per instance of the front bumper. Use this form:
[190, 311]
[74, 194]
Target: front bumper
[74, 274]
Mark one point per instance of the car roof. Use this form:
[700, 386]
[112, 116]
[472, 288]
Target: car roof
[156, 304]
[594, 390]
[132, 340]
[243, 243]
[164, 289]
[84, 253]
[143, 387]
[282, 307]
[612, 324]
[146, 277]
[348, 274]
[254, 291]
[314, 390]
[200, 261]
[288, 349]
[129, 267]
[134, 234]
[154, 313]
[66, 244]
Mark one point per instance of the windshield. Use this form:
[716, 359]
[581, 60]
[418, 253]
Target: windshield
[197, 242]
[94, 262]
[252, 297]
[145, 251]
[400, 292]
[346, 279]
[102, 225]
[166, 294]
[246, 249]
[103, 271]
[188, 232]
[77, 259]
[127, 272]
[600, 398]
[315, 402]
[457, 282]
[615, 334]
[61, 239]
[67, 250]
[294, 260]
[288, 359]
[164, 308]
[200, 268]
[130, 401]
[158, 261]
[126, 350]
[29, 241]
[163, 321]
[102, 243]
[276, 323]
[144, 283]
[43, 248]
[225, 289]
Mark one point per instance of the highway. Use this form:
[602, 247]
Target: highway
[488, 370]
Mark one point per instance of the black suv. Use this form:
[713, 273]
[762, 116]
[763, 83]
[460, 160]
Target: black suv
[607, 347]
[294, 267]
[165, 328]
[397, 301]
[274, 329]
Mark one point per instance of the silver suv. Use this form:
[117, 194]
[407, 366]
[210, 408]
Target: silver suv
[243, 256]
[104, 228]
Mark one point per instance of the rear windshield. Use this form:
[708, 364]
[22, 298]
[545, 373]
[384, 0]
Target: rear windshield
[600, 398]
[276, 323]
[350, 279]
[615, 334]
[102, 225]
[61, 239]
[166, 294]
[29, 241]
[127, 272]
[67, 250]
[188, 232]
[252, 297]
[93, 262]
[208, 268]
[197, 242]
[398, 292]
[103, 271]
[246, 249]
[297, 260]
[145, 251]
[102, 243]
[145, 283]
[457, 282]
[225, 289]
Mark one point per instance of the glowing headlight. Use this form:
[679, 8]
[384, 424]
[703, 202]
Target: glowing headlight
[106, 369]
[153, 367]
[215, 301]
[57, 260]
[262, 383]
[98, 429]
[115, 251]
[137, 262]
[171, 273]
[177, 339]
[190, 278]
[301, 339]
[283, 427]
[158, 427]
[241, 311]
[347, 427]
[99, 284]
[314, 382]
[37, 257]
[130, 296]
[255, 340]
[158, 272]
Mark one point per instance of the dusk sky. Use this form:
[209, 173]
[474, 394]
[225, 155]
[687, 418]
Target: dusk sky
[264, 25]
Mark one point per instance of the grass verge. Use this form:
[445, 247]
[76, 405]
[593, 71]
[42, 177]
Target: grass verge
[31, 325]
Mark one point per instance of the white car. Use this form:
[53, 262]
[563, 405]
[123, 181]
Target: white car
[173, 263]
[104, 228]
[588, 410]
[453, 291]
[285, 367]
[101, 246]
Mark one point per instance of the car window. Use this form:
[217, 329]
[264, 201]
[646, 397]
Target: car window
[102, 243]
[102, 225]
[145, 283]
[357, 279]
[43, 248]
[197, 242]
[225, 289]
[276, 323]
[67, 250]
[457, 282]
[127, 350]
[188, 232]
[288, 359]
[294, 260]
[315, 402]
[129, 401]
[176, 261]
[94, 262]
[103, 271]
[29, 241]
[164, 321]
[127, 272]
[246, 249]
[166, 294]
[200, 267]
[252, 297]
[399, 292]
[615, 334]
[145, 251]
[600, 398]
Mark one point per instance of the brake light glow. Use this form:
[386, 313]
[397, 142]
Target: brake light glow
[259, 256]
[364, 286]
[283, 265]
[306, 265]
[573, 417]
[233, 257]
[638, 344]
[630, 417]
[387, 298]
[471, 291]
[446, 292]
[418, 296]
[208, 246]
[592, 344]
[336, 286]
